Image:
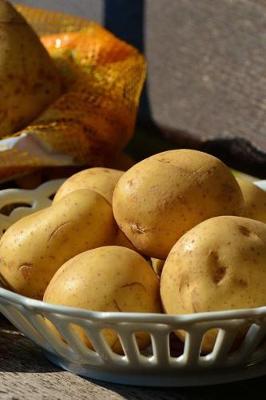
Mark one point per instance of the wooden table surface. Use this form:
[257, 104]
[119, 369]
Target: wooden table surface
[26, 374]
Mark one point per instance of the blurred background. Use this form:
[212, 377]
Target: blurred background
[206, 85]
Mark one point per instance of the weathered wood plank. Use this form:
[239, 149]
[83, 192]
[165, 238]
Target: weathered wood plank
[26, 374]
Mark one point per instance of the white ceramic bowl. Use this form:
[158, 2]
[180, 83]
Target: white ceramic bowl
[165, 363]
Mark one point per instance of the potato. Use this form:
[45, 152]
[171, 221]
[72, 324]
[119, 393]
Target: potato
[29, 79]
[100, 180]
[157, 265]
[157, 200]
[255, 200]
[109, 278]
[33, 249]
[218, 265]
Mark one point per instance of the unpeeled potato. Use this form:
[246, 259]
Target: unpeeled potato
[28, 76]
[254, 200]
[33, 248]
[100, 180]
[159, 199]
[218, 265]
[109, 278]
[157, 265]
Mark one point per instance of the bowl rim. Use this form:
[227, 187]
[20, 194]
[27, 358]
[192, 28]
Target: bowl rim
[120, 317]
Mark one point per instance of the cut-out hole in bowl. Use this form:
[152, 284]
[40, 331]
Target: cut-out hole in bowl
[75, 335]
[144, 343]
[112, 340]
[51, 197]
[240, 334]
[7, 209]
[221, 342]
[77, 338]
[208, 341]
[176, 345]
[249, 340]
[53, 330]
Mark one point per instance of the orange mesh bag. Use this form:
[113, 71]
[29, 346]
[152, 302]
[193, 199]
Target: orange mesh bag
[94, 117]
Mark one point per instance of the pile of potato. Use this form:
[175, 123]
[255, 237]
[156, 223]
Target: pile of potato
[176, 233]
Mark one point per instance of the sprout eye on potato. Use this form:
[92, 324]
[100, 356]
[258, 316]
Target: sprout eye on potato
[159, 199]
[109, 278]
[218, 265]
[33, 248]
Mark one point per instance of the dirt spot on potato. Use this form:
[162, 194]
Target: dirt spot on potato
[184, 282]
[217, 270]
[244, 231]
[25, 270]
[219, 274]
[164, 160]
[249, 234]
[240, 282]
